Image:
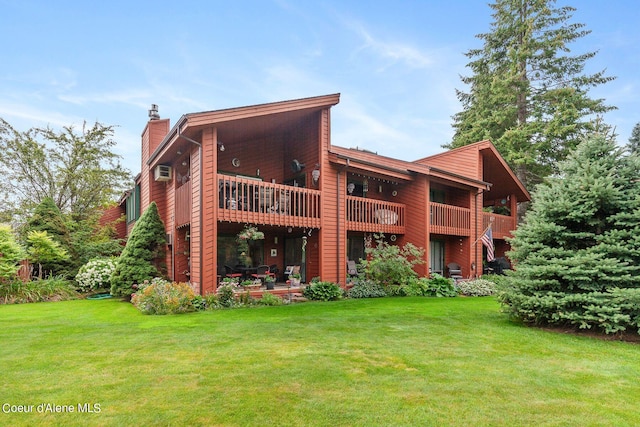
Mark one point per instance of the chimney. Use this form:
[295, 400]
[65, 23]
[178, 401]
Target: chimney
[153, 112]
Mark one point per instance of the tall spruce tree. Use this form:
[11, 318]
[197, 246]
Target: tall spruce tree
[526, 93]
[634, 141]
[577, 253]
[143, 255]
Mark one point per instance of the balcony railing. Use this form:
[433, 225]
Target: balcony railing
[375, 216]
[248, 200]
[501, 225]
[182, 208]
[448, 219]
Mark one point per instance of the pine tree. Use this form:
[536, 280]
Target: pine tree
[577, 253]
[142, 256]
[634, 142]
[526, 94]
[48, 218]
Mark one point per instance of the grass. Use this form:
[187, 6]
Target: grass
[379, 362]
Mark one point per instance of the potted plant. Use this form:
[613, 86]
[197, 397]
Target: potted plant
[270, 282]
[294, 279]
[251, 284]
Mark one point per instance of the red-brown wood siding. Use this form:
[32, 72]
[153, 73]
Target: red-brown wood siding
[195, 229]
[332, 253]
[209, 225]
[415, 197]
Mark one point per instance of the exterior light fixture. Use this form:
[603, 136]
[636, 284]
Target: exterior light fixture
[350, 187]
[221, 146]
[315, 175]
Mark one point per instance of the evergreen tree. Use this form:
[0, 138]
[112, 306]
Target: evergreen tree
[11, 253]
[526, 94]
[48, 218]
[45, 251]
[142, 256]
[634, 142]
[577, 253]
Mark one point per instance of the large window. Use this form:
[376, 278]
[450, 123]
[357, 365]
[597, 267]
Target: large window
[133, 205]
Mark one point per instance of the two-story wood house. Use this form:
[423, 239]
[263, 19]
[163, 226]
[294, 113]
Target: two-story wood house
[274, 166]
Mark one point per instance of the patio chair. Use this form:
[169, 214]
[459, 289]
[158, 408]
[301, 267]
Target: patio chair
[230, 272]
[274, 270]
[262, 271]
[455, 271]
[352, 270]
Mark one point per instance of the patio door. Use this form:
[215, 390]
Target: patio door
[293, 253]
[436, 256]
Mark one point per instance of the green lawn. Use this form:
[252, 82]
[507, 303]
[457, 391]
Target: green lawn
[384, 362]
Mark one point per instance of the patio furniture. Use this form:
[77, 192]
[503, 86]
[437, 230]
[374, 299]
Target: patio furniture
[455, 271]
[230, 272]
[352, 270]
[262, 271]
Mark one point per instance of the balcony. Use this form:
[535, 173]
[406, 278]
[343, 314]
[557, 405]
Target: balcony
[375, 216]
[451, 220]
[182, 208]
[501, 225]
[250, 200]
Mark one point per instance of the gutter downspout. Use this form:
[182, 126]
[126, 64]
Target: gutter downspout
[186, 138]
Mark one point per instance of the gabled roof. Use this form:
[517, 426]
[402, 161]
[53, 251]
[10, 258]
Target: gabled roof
[243, 121]
[466, 162]
[395, 168]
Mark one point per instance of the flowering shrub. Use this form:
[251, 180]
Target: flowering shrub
[95, 274]
[162, 297]
[476, 288]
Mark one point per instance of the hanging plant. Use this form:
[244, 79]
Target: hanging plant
[243, 238]
[250, 233]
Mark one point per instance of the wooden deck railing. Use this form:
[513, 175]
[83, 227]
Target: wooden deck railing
[375, 216]
[448, 219]
[243, 199]
[501, 225]
[182, 208]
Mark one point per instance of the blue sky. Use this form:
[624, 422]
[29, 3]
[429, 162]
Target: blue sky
[397, 64]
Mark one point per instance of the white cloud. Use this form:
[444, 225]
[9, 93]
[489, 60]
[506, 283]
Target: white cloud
[391, 52]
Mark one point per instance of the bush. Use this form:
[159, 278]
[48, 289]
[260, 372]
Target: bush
[162, 297]
[270, 299]
[11, 253]
[322, 291]
[140, 260]
[365, 288]
[440, 286]
[476, 288]
[52, 289]
[226, 297]
[96, 274]
[390, 264]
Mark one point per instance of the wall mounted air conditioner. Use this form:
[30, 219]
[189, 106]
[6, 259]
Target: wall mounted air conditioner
[162, 173]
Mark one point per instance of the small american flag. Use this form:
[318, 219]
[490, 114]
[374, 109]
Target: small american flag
[487, 241]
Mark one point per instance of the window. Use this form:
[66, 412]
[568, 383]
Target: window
[133, 205]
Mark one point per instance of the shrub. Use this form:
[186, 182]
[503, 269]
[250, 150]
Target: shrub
[51, 289]
[96, 274]
[140, 259]
[270, 299]
[390, 264]
[322, 291]
[164, 297]
[476, 288]
[226, 297]
[442, 287]
[211, 301]
[11, 253]
[365, 288]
